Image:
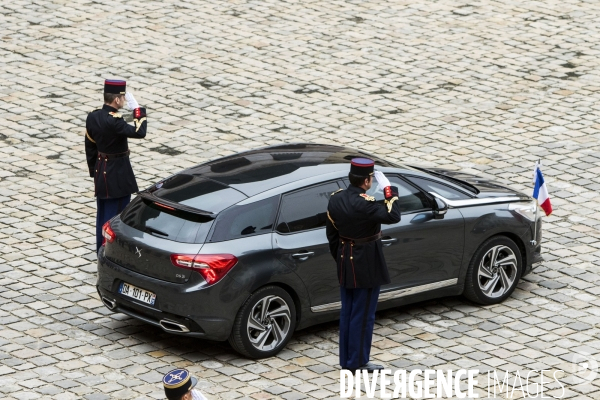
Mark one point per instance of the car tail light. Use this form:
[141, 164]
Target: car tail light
[107, 233]
[212, 267]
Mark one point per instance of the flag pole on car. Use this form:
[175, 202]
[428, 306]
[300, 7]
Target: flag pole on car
[540, 194]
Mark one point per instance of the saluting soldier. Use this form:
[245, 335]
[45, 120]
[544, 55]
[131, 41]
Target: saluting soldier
[107, 152]
[354, 234]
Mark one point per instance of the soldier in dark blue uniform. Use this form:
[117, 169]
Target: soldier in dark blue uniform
[354, 234]
[107, 152]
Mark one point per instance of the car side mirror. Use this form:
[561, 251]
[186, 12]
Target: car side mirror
[440, 209]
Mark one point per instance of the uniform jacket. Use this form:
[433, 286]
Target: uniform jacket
[107, 132]
[353, 214]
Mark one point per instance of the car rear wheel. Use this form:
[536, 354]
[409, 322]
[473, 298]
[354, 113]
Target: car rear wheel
[264, 324]
[494, 271]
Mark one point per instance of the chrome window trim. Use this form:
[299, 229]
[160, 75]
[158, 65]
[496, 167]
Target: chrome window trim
[394, 294]
[479, 201]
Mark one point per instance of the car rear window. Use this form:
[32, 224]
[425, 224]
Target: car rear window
[176, 225]
[246, 220]
[196, 192]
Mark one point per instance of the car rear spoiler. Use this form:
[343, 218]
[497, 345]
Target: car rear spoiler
[167, 204]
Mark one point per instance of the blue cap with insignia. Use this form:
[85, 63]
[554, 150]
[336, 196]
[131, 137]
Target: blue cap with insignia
[362, 166]
[177, 383]
[115, 86]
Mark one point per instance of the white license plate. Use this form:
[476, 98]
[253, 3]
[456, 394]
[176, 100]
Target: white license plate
[137, 293]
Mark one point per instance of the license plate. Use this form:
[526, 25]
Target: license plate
[137, 293]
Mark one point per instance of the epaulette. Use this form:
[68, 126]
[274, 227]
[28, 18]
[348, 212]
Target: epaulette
[95, 109]
[367, 197]
[337, 191]
[116, 115]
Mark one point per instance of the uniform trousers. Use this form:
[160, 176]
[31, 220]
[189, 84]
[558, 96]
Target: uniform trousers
[357, 319]
[105, 210]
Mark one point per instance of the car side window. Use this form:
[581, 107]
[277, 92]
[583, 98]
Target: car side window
[305, 209]
[410, 198]
[443, 190]
[246, 220]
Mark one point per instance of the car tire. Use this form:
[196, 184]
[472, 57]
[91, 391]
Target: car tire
[494, 271]
[258, 333]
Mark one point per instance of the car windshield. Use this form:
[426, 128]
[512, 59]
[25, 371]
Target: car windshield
[176, 225]
[456, 181]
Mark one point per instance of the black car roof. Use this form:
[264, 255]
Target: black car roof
[250, 176]
[259, 170]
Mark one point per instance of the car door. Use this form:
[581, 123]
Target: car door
[300, 242]
[420, 250]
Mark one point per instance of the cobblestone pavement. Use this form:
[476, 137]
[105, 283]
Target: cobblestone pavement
[484, 86]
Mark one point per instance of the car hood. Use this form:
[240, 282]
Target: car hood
[486, 187]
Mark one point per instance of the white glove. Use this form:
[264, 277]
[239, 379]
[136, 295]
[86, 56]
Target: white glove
[382, 181]
[131, 103]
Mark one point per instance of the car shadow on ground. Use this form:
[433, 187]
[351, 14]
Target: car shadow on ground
[179, 350]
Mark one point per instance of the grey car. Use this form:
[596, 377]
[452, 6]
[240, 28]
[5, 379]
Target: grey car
[235, 249]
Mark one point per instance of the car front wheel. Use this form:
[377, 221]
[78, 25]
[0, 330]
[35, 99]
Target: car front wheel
[494, 271]
[264, 324]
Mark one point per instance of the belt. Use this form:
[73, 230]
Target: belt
[373, 238]
[112, 156]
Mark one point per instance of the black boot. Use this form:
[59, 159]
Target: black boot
[370, 367]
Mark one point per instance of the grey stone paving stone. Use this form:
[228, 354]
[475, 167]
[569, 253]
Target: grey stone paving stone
[433, 361]
[321, 368]
[488, 326]
[449, 335]
[277, 390]
[96, 396]
[553, 284]
[461, 328]
[401, 364]
[49, 390]
[66, 383]
[294, 396]
[579, 326]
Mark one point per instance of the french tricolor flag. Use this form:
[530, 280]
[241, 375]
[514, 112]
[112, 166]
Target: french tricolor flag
[540, 191]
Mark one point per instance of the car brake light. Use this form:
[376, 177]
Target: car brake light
[212, 267]
[108, 234]
[164, 206]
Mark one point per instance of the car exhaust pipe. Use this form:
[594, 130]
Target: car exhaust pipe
[111, 304]
[172, 326]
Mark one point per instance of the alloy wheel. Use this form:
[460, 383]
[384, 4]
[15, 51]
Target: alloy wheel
[497, 271]
[269, 323]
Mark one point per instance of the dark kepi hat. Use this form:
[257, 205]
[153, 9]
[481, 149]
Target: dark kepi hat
[362, 166]
[115, 87]
[177, 383]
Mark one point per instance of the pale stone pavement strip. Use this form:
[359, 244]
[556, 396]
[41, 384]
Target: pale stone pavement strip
[483, 86]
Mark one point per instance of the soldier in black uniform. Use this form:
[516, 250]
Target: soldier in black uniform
[107, 152]
[354, 234]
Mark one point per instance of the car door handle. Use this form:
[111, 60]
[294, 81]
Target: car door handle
[388, 241]
[303, 256]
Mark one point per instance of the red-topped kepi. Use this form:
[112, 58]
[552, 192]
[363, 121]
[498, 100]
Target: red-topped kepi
[115, 86]
[362, 166]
